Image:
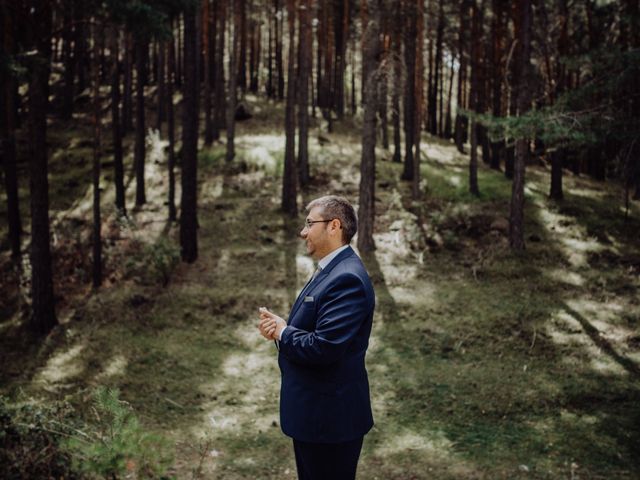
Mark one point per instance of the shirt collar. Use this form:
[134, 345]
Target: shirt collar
[326, 260]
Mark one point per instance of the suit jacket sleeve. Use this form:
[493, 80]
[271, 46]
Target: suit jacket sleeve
[339, 318]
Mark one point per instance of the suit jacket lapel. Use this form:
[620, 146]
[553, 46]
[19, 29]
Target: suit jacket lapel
[325, 271]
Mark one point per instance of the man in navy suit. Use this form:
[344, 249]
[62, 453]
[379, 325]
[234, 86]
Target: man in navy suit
[324, 398]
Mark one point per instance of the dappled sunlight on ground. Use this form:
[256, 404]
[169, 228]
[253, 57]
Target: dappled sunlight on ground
[61, 367]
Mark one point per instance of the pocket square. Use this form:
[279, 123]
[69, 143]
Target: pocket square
[308, 299]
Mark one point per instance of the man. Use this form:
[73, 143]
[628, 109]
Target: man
[324, 398]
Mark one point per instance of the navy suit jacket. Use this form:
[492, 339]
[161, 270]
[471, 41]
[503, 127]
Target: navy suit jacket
[324, 396]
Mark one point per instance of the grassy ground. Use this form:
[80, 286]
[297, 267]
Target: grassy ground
[482, 364]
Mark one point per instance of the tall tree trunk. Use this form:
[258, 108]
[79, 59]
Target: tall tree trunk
[232, 93]
[116, 128]
[461, 124]
[419, 80]
[189, 200]
[433, 100]
[220, 107]
[496, 81]
[171, 160]
[278, 39]
[162, 86]
[516, 217]
[69, 65]
[289, 189]
[96, 237]
[140, 149]
[341, 31]
[476, 35]
[448, 133]
[43, 317]
[242, 54]
[410, 87]
[304, 70]
[8, 92]
[127, 99]
[371, 51]
[557, 160]
[206, 31]
[397, 81]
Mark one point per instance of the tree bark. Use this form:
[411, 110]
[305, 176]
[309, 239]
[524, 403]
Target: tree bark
[419, 80]
[220, 107]
[410, 87]
[162, 86]
[476, 35]
[206, 31]
[304, 70]
[127, 100]
[397, 81]
[461, 123]
[371, 51]
[232, 92]
[278, 39]
[116, 127]
[43, 317]
[171, 159]
[8, 92]
[69, 64]
[516, 230]
[96, 237]
[289, 188]
[189, 200]
[140, 148]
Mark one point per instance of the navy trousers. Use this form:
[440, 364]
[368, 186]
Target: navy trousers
[327, 461]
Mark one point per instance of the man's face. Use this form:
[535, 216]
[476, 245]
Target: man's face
[316, 235]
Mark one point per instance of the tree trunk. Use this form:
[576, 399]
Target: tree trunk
[496, 81]
[448, 133]
[397, 81]
[419, 80]
[433, 100]
[8, 92]
[232, 93]
[461, 123]
[43, 317]
[189, 200]
[476, 35]
[220, 108]
[371, 51]
[140, 149]
[242, 54]
[171, 160]
[206, 30]
[162, 86]
[516, 230]
[96, 237]
[127, 100]
[69, 65]
[304, 68]
[116, 128]
[278, 39]
[289, 189]
[557, 160]
[410, 87]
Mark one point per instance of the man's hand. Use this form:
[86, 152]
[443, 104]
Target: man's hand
[270, 325]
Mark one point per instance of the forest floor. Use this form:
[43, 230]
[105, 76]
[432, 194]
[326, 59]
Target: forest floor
[483, 364]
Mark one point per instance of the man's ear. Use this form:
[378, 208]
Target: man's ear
[336, 224]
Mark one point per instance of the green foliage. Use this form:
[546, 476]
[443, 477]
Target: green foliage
[155, 262]
[115, 445]
[29, 440]
[210, 158]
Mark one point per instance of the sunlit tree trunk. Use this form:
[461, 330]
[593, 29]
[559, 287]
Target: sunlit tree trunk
[419, 80]
[232, 90]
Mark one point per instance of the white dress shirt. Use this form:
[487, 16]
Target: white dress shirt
[322, 264]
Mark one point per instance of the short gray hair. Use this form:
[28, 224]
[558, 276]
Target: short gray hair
[333, 206]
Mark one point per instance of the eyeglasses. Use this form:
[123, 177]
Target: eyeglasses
[309, 223]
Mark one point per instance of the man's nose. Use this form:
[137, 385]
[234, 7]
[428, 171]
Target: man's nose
[303, 233]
